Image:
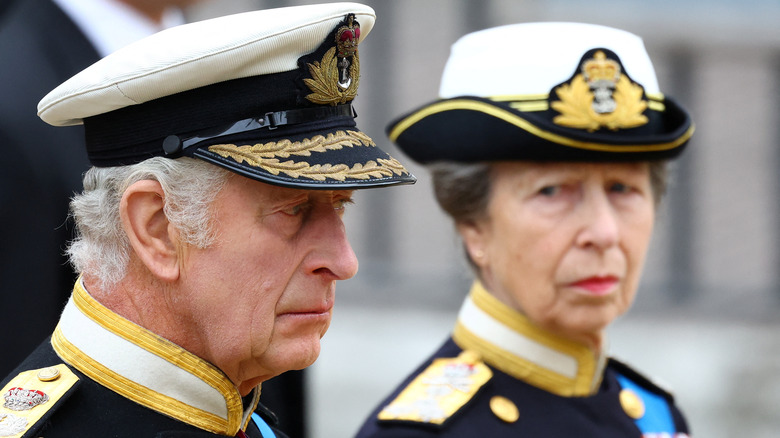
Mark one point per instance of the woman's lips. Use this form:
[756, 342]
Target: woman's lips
[600, 285]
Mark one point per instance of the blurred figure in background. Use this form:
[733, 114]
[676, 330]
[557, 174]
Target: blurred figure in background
[5, 5]
[548, 149]
[43, 43]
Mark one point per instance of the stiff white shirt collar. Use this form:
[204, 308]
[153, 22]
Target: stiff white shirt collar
[508, 341]
[146, 368]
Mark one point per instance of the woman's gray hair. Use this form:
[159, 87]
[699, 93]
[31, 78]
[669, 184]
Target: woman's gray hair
[463, 189]
[101, 248]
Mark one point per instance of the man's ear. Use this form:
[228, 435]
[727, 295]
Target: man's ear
[152, 238]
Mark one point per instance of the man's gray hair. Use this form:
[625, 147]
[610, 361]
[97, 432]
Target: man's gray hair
[102, 249]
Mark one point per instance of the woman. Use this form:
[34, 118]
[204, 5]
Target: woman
[548, 149]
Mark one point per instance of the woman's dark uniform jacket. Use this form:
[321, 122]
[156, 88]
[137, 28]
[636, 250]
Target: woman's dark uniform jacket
[483, 390]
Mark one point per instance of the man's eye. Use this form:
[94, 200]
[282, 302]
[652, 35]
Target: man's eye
[296, 210]
[341, 204]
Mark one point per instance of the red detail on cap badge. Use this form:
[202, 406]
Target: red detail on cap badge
[347, 38]
[335, 78]
[20, 399]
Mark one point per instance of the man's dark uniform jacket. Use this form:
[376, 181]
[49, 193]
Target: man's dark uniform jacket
[500, 376]
[102, 376]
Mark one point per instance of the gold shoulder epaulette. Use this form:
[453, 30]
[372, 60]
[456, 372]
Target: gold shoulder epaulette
[30, 395]
[440, 391]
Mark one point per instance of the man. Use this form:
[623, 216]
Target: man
[210, 230]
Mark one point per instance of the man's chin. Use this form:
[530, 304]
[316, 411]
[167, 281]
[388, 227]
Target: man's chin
[296, 354]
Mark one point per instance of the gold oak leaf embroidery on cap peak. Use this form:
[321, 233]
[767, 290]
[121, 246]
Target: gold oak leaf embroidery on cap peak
[284, 148]
[266, 156]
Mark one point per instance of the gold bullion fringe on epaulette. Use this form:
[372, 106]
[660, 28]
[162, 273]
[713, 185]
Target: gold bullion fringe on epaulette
[440, 391]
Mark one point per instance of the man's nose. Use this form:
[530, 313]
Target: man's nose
[334, 254]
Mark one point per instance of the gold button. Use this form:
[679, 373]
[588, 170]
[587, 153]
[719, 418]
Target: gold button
[504, 409]
[48, 374]
[632, 404]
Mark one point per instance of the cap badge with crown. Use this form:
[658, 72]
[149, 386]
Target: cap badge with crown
[335, 78]
[600, 95]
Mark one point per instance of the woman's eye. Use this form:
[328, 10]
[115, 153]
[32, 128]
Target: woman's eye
[549, 190]
[619, 188]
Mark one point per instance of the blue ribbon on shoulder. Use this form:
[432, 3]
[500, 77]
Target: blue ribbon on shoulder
[658, 416]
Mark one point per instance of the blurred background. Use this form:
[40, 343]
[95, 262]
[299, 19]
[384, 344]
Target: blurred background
[705, 321]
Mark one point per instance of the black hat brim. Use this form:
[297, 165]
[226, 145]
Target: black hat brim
[472, 129]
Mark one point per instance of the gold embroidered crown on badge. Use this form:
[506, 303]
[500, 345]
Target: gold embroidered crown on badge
[335, 78]
[439, 391]
[600, 95]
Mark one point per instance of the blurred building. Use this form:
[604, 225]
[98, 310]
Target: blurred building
[706, 318]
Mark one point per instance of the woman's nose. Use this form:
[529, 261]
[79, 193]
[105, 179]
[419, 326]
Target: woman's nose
[600, 227]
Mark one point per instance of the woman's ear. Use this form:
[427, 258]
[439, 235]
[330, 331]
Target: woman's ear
[475, 240]
[152, 238]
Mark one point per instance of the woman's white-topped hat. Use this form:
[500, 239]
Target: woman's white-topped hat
[546, 91]
[267, 94]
